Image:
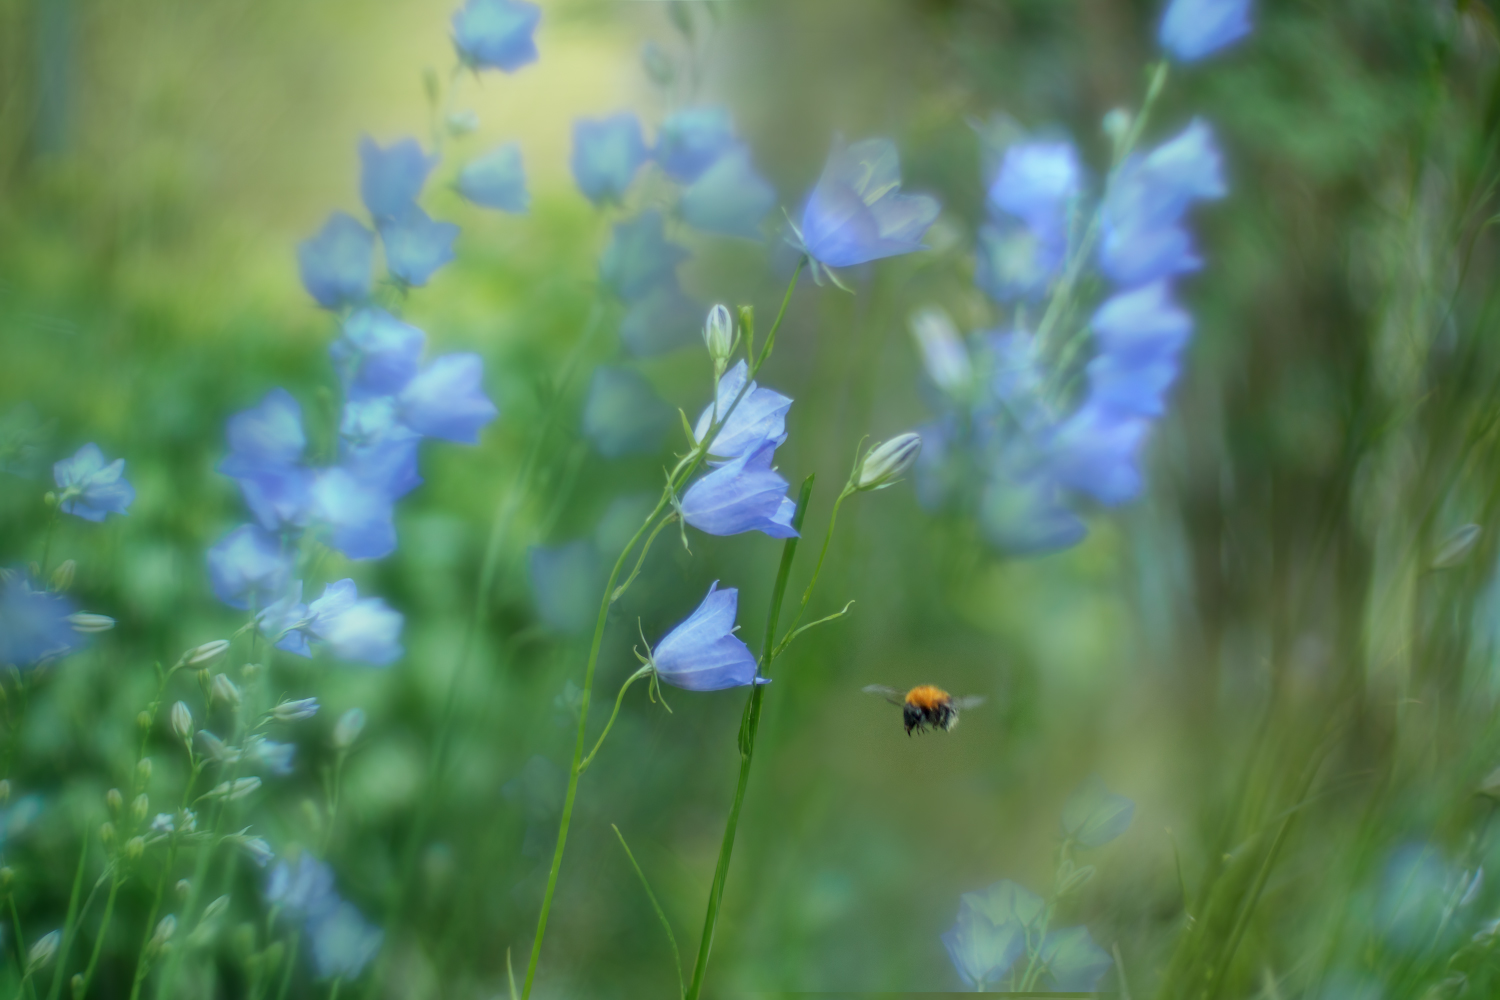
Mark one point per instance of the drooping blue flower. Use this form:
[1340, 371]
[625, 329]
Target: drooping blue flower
[377, 354]
[357, 514]
[743, 495]
[1132, 385]
[1038, 183]
[391, 179]
[1093, 815]
[273, 756]
[1072, 961]
[639, 258]
[266, 443]
[416, 245]
[729, 197]
[760, 417]
[248, 568]
[496, 34]
[623, 414]
[692, 140]
[362, 630]
[337, 264]
[377, 449]
[1025, 515]
[606, 155]
[343, 942]
[565, 582]
[91, 487]
[303, 891]
[446, 399]
[1193, 29]
[702, 653]
[1094, 451]
[1142, 323]
[662, 320]
[496, 180]
[857, 212]
[34, 623]
[991, 931]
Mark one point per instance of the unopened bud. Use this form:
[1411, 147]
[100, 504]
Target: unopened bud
[42, 952]
[182, 721]
[135, 847]
[718, 335]
[1456, 547]
[114, 800]
[107, 833]
[205, 655]
[295, 711]
[215, 909]
[236, 789]
[143, 770]
[943, 352]
[184, 889]
[349, 726]
[223, 689]
[1116, 125]
[165, 928]
[250, 671]
[887, 461]
[139, 807]
[77, 985]
[85, 622]
[143, 719]
[49, 498]
[62, 577]
[462, 122]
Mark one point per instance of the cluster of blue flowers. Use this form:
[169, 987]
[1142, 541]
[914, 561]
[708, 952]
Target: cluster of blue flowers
[343, 943]
[1017, 436]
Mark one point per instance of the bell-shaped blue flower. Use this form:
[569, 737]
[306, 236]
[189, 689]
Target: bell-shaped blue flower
[34, 624]
[703, 654]
[357, 514]
[857, 212]
[606, 155]
[728, 198]
[1142, 323]
[302, 891]
[1013, 262]
[1025, 515]
[377, 354]
[1073, 962]
[343, 942]
[692, 140]
[265, 458]
[743, 495]
[377, 448]
[1038, 183]
[1193, 29]
[92, 488]
[416, 245]
[639, 257]
[361, 630]
[1094, 451]
[1132, 385]
[623, 414]
[391, 179]
[565, 582]
[1093, 815]
[662, 320]
[446, 399]
[992, 930]
[275, 757]
[249, 568]
[337, 264]
[760, 417]
[496, 34]
[496, 180]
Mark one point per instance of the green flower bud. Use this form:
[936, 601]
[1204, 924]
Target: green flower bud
[42, 952]
[223, 689]
[107, 833]
[887, 461]
[719, 336]
[114, 800]
[201, 657]
[182, 721]
[135, 847]
[62, 577]
[88, 623]
[139, 807]
[349, 726]
[143, 770]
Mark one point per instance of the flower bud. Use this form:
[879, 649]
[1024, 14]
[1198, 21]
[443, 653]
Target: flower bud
[114, 800]
[295, 711]
[85, 622]
[62, 577]
[182, 721]
[885, 462]
[165, 928]
[135, 847]
[42, 952]
[143, 719]
[718, 335]
[1116, 125]
[349, 726]
[205, 655]
[107, 833]
[139, 807]
[462, 122]
[49, 498]
[76, 985]
[943, 352]
[223, 689]
[215, 909]
[143, 770]
[184, 889]
[236, 789]
[260, 852]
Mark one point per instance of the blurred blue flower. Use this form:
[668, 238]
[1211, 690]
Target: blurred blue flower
[606, 155]
[336, 264]
[1024, 515]
[1038, 183]
[692, 140]
[639, 257]
[446, 399]
[496, 34]
[303, 891]
[743, 495]
[992, 930]
[33, 623]
[1094, 451]
[1192, 29]
[1073, 962]
[1132, 385]
[273, 756]
[702, 653]
[856, 212]
[391, 178]
[265, 454]
[357, 514]
[248, 568]
[362, 630]
[565, 582]
[662, 320]
[92, 488]
[1093, 816]
[416, 245]
[1420, 892]
[760, 417]
[496, 180]
[343, 942]
[377, 449]
[1012, 262]
[377, 354]
[623, 414]
[1142, 323]
[729, 197]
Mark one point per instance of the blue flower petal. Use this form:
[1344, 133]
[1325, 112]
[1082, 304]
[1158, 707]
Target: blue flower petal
[623, 414]
[358, 515]
[343, 942]
[34, 623]
[1142, 323]
[362, 630]
[759, 417]
[1095, 451]
[1074, 963]
[446, 400]
[337, 264]
[856, 213]
[728, 198]
[92, 488]
[1093, 815]
[639, 257]
[496, 34]
[702, 653]
[606, 155]
[249, 568]
[692, 140]
[1193, 29]
[496, 180]
[391, 179]
[377, 354]
[416, 245]
[743, 495]
[565, 584]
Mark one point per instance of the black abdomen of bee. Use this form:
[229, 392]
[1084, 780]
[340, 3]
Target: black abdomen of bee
[940, 716]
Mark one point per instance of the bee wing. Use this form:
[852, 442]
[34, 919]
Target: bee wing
[890, 694]
[972, 701]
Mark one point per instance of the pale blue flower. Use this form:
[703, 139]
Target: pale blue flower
[416, 245]
[496, 34]
[446, 399]
[33, 623]
[1038, 183]
[662, 320]
[1142, 323]
[343, 942]
[565, 582]
[692, 140]
[623, 414]
[856, 212]
[358, 514]
[1193, 29]
[1073, 962]
[91, 487]
[391, 179]
[991, 931]
[1095, 450]
[606, 155]
[743, 495]
[361, 630]
[702, 653]
[1093, 815]
[336, 264]
[1132, 385]
[377, 449]
[496, 180]
[729, 197]
[639, 257]
[759, 417]
[303, 891]
[249, 567]
[273, 756]
[1013, 262]
[266, 443]
[377, 354]
[1025, 514]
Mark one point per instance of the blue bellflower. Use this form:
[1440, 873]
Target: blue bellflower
[496, 34]
[248, 568]
[377, 354]
[303, 891]
[623, 414]
[745, 494]
[991, 931]
[1025, 514]
[1093, 815]
[416, 245]
[496, 180]
[265, 459]
[91, 487]
[1031, 200]
[1095, 451]
[759, 417]
[336, 264]
[34, 624]
[702, 653]
[392, 178]
[446, 399]
[343, 942]
[361, 630]
[857, 212]
[1194, 29]
[358, 515]
[729, 198]
[1073, 962]
[692, 140]
[606, 155]
[639, 257]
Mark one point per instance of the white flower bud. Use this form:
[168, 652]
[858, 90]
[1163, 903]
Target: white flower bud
[165, 928]
[216, 748]
[943, 352]
[62, 577]
[350, 724]
[139, 807]
[202, 656]
[85, 622]
[42, 952]
[223, 689]
[215, 909]
[260, 852]
[236, 789]
[718, 334]
[886, 462]
[143, 770]
[296, 711]
[182, 720]
[184, 889]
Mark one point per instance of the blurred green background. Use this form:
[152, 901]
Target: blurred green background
[1258, 653]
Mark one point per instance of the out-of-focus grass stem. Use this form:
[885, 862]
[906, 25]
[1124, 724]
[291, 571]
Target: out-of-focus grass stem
[116, 880]
[69, 927]
[660, 913]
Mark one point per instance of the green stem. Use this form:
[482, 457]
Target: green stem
[583, 764]
[1028, 980]
[748, 728]
[660, 913]
[109, 912]
[333, 991]
[15, 920]
[142, 967]
[291, 963]
[69, 922]
[818, 568]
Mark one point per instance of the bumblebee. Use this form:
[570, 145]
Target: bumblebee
[926, 705]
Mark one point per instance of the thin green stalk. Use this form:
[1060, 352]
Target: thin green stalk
[69, 922]
[15, 920]
[681, 474]
[748, 729]
[291, 963]
[109, 912]
[333, 991]
[583, 764]
[1032, 971]
[142, 966]
[661, 915]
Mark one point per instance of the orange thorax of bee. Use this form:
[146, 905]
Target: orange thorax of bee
[928, 697]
